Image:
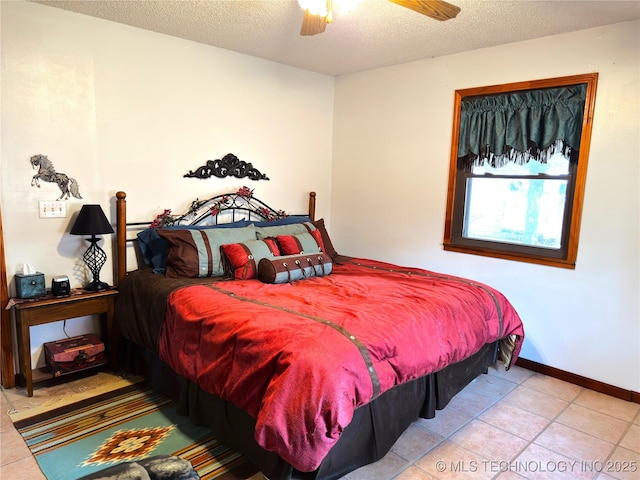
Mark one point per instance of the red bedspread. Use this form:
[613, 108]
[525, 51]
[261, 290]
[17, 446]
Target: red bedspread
[300, 357]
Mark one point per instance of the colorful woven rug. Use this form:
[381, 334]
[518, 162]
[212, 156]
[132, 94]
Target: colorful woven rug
[125, 425]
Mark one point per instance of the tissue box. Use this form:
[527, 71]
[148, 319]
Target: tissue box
[31, 285]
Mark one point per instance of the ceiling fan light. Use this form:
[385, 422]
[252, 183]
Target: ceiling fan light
[346, 6]
[314, 7]
[324, 7]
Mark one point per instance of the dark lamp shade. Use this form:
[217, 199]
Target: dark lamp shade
[91, 221]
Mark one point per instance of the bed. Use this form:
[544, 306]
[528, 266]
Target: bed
[310, 378]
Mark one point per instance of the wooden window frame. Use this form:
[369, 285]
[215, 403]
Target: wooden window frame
[571, 225]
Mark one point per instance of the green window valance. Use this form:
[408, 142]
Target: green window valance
[516, 123]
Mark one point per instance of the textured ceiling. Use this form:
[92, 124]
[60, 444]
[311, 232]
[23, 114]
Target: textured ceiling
[377, 34]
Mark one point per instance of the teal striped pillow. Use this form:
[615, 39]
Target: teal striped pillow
[196, 253]
[292, 229]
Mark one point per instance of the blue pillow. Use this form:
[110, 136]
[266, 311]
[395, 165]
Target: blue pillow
[291, 219]
[154, 248]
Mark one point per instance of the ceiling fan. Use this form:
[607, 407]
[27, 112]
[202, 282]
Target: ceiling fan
[317, 13]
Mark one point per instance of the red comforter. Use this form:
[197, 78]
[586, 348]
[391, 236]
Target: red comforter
[300, 357]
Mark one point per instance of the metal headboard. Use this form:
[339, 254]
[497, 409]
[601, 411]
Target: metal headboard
[224, 208]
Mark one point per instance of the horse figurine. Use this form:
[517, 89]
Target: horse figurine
[47, 173]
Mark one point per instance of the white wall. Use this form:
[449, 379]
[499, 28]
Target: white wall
[392, 138]
[120, 108]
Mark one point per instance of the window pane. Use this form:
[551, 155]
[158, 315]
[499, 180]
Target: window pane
[520, 211]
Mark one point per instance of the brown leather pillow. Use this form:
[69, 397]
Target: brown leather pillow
[289, 268]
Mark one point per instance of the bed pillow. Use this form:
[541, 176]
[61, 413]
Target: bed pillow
[241, 259]
[310, 242]
[326, 240]
[154, 248]
[291, 219]
[289, 268]
[196, 253]
[291, 229]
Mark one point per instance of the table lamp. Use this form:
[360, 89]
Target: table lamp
[92, 221]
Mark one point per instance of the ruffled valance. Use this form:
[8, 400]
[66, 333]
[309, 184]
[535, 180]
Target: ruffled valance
[521, 126]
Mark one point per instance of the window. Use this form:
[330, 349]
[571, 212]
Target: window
[518, 167]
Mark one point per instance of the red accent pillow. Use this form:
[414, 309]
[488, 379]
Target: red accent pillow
[310, 242]
[241, 259]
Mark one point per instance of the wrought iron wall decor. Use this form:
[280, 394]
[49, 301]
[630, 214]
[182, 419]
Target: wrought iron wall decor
[227, 166]
[68, 186]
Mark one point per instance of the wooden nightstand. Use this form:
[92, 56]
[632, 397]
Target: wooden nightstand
[51, 309]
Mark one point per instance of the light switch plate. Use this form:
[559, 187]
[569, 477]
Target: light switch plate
[53, 209]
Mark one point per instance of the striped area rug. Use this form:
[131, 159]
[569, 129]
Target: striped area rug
[125, 425]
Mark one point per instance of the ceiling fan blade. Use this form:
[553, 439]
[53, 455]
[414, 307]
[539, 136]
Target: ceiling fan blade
[436, 9]
[313, 24]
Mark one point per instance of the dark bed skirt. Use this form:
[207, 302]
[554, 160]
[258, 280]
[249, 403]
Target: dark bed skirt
[374, 429]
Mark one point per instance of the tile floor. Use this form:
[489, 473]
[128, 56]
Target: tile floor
[504, 425]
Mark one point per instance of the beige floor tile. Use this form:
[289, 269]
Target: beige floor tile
[471, 402]
[5, 420]
[413, 473]
[488, 441]
[387, 467]
[624, 464]
[552, 386]
[573, 443]
[631, 440]
[13, 447]
[615, 407]
[491, 386]
[539, 463]
[449, 461]
[515, 374]
[509, 476]
[25, 469]
[515, 420]
[594, 423]
[446, 421]
[415, 442]
[536, 402]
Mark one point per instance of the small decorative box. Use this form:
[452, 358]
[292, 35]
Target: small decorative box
[30, 285]
[74, 354]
